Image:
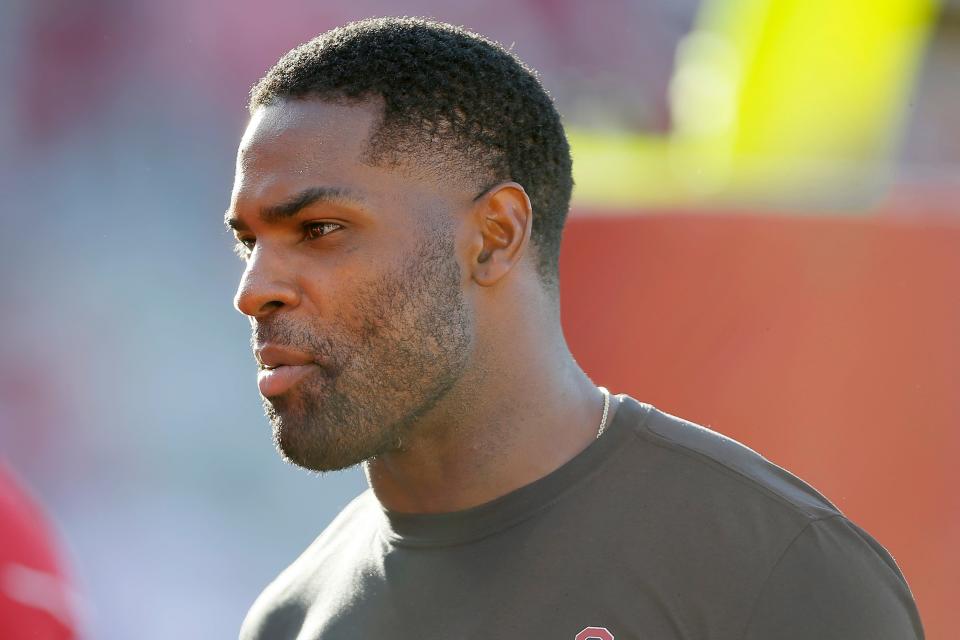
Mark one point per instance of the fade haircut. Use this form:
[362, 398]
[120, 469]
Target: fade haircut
[452, 101]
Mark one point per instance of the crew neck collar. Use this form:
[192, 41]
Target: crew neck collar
[469, 525]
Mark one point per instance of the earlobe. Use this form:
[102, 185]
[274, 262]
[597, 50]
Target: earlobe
[504, 219]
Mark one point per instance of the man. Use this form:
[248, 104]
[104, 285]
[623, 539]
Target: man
[399, 199]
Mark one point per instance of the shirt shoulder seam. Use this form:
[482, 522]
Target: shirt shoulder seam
[734, 473]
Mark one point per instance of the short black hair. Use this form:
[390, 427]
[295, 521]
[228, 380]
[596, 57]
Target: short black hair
[448, 93]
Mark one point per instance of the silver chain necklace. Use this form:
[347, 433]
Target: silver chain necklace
[606, 409]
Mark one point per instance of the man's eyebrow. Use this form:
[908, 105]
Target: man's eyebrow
[294, 204]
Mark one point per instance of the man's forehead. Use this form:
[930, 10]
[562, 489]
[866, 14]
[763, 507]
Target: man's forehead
[299, 143]
[299, 129]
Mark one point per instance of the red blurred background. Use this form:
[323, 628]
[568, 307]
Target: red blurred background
[830, 345]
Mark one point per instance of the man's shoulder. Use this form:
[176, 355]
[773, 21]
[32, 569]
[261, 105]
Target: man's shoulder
[281, 608]
[704, 457]
[731, 516]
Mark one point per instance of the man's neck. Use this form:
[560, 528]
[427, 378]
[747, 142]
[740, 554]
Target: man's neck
[529, 419]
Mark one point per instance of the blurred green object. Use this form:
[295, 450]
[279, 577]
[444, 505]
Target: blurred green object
[774, 102]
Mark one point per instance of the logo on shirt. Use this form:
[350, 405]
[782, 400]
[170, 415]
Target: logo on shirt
[595, 633]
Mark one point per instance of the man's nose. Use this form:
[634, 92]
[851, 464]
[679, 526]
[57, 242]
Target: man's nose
[264, 288]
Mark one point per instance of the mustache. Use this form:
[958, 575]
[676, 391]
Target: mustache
[286, 334]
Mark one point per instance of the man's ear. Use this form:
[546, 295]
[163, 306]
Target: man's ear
[502, 221]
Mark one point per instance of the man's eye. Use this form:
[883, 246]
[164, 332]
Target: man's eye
[243, 247]
[314, 230]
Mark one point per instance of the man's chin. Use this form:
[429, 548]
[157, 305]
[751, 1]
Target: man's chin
[320, 464]
[321, 430]
[309, 451]
[322, 447]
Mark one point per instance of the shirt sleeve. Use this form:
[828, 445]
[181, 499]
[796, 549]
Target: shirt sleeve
[834, 582]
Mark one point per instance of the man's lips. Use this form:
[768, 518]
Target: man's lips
[276, 381]
[281, 368]
[270, 356]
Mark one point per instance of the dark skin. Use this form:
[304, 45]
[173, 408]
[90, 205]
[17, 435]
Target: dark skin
[426, 346]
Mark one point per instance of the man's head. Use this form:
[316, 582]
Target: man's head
[392, 171]
[452, 101]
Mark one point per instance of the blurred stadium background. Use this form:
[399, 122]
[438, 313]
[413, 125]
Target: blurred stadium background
[765, 239]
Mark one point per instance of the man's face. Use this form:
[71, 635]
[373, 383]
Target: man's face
[352, 284]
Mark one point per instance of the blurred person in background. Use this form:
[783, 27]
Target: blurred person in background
[399, 199]
[35, 593]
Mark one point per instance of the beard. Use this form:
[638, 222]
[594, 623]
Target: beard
[402, 346]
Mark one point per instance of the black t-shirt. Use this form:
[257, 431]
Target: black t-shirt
[659, 530]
